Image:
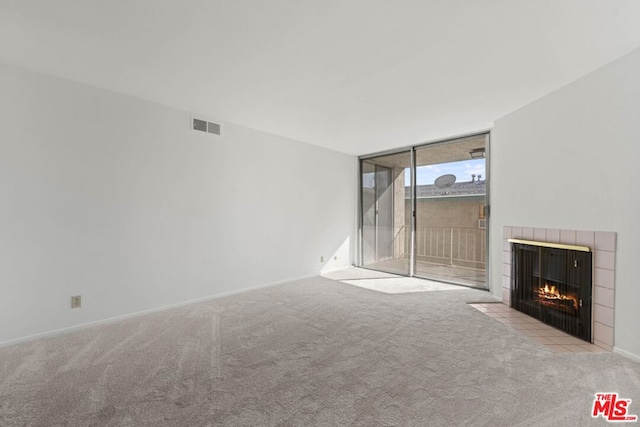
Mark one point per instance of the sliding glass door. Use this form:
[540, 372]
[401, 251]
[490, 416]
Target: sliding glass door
[383, 217]
[450, 200]
[434, 227]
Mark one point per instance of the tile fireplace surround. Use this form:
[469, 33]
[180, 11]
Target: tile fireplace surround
[603, 246]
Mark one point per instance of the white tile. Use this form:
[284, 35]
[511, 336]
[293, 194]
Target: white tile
[542, 340]
[506, 232]
[603, 296]
[506, 282]
[586, 238]
[540, 234]
[506, 270]
[527, 233]
[592, 348]
[568, 237]
[603, 333]
[604, 278]
[606, 240]
[506, 257]
[576, 348]
[566, 340]
[558, 348]
[608, 347]
[604, 259]
[516, 232]
[553, 235]
[506, 296]
[506, 246]
[602, 314]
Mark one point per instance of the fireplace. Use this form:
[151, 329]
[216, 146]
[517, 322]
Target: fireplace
[603, 249]
[553, 283]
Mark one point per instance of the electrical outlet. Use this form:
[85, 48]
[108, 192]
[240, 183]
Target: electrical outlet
[321, 259]
[76, 301]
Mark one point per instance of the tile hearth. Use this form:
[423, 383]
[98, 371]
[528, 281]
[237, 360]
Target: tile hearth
[541, 333]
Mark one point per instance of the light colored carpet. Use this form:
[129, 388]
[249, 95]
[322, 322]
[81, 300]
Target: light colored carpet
[315, 352]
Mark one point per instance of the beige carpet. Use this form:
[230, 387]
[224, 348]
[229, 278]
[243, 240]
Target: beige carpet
[316, 352]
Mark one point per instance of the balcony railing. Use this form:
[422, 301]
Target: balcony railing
[452, 246]
[456, 246]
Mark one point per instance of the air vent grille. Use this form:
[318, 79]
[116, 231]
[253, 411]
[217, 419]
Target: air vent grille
[213, 128]
[205, 126]
[200, 125]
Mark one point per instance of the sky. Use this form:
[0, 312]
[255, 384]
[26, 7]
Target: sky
[426, 175]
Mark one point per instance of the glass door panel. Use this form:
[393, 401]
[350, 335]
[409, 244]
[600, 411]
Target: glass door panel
[451, 237]
[385, 220]
[368, 218]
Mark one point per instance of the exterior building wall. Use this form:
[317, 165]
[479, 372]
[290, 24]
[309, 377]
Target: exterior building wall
[446, 212]
[399, 213]
[447, 231]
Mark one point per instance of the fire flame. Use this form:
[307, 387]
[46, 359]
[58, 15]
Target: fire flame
[550, 292]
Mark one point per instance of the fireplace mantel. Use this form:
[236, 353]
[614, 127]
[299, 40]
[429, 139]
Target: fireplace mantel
[551, 245]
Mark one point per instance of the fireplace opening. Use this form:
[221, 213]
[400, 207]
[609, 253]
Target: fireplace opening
[553, 285]
[550, 296]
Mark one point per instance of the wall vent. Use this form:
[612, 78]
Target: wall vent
[213, 128]
[205, 126]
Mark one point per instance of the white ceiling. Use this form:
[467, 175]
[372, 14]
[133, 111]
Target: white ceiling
[357, 76]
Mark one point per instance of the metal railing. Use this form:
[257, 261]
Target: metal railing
[453, 246]
[456, 246]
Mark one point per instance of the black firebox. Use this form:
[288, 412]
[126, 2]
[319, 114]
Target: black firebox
[553, 285]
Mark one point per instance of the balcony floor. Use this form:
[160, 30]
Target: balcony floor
[444, 273]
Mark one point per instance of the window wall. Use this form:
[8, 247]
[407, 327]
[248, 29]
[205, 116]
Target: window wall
[423, 211]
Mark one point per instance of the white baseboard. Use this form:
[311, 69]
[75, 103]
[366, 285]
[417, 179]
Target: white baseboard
[627, 354]
[70, 329]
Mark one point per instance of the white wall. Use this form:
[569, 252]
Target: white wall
[570, 160]
[116, 199]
